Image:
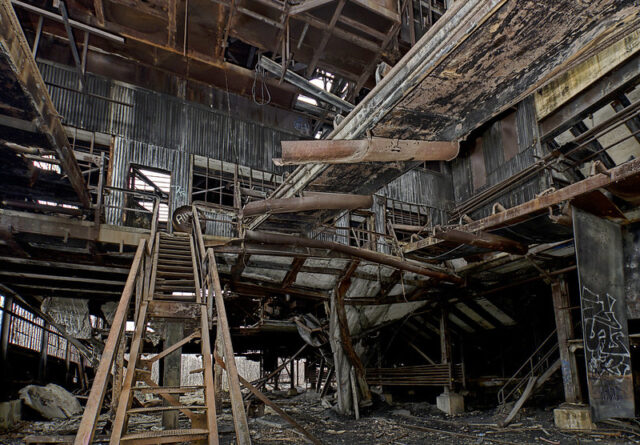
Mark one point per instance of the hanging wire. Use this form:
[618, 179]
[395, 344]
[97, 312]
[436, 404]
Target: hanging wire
[265, 94]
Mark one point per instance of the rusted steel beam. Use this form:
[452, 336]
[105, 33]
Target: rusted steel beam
[315, 201]
[618, 176]
[16, 49]
[483, 240]
[368, 255]
[365, 150]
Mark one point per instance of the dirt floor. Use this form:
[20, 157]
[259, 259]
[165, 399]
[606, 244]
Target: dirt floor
[400, 424]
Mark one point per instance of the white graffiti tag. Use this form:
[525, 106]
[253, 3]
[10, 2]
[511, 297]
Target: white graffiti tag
[607, 350]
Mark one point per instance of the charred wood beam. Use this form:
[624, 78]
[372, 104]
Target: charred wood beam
[316, 201]
[305, 85]
[319, 51]
[367, 255]
[238, 268]
[307, 6]
[291, 276]
[365, 150]
[345, 334]
[16, 49]
[483, 240]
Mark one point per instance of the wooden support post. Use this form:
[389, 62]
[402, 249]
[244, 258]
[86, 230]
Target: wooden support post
[564, 328]
[172, 364]
[237, 406]
[445, 341]
[44, 346]
[116, 382]
[345, 334]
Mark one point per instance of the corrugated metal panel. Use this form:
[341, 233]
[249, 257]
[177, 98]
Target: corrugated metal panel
[163, 120]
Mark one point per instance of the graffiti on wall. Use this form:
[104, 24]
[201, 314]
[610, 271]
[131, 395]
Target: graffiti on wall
[605, 341]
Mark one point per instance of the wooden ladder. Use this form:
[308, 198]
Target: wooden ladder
[171, 297]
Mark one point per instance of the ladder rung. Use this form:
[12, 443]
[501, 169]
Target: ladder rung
[166, 389]
[174, 275]
[152, 409]
[166, 436]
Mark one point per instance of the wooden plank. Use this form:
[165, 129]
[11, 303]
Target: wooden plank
[345, 334]
[173, 347]
[239, 416]
[205, 325]
[87, 426]
[291, 276]
[307, 6]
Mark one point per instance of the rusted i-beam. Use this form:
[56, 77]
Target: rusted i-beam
[368, 255]
[483, 240]
[315, 201]
[365, 150]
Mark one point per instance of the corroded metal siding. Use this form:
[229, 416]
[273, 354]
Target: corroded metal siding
[164, 121]
[499, 165]
[127, 152]
[424, 187]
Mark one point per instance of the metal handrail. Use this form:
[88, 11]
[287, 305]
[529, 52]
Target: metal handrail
[532, 368]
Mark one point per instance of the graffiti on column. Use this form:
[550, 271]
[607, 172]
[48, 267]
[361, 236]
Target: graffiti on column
[608, 358]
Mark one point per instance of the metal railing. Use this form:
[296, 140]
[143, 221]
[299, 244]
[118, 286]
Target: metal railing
[538, 362]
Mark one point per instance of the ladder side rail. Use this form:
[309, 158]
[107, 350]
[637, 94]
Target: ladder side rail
[87, 428]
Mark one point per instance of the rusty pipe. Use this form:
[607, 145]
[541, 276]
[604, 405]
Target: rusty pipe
[365, 150]
[368, 255]
[483, 240]
[315, 201]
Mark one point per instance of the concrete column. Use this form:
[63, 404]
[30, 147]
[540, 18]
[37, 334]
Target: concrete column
[171, 372]
[564, 325]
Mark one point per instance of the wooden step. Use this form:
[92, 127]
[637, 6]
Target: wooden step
[167, 274]
[167, 389]
[174, 283]
[166, 436]
[172, 268]
[153, 409]
[172, 256]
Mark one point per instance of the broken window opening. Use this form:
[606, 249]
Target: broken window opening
[150, 185]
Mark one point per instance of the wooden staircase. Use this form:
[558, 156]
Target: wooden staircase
[171, 298]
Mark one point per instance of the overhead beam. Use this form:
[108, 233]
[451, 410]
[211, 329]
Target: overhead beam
[326, 34]
[365, 150]
[306, 86]
[367, 255]
[307, 6]
[483, 240]
[74, 23]
[14, 46]
[315, 201]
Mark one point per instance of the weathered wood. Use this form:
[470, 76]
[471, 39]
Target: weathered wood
[172, 361]
[345, 334]
[87, 426]
[239, 416]
[564, 329]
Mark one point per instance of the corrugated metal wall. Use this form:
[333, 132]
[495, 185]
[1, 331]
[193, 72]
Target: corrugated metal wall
[162, 120]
